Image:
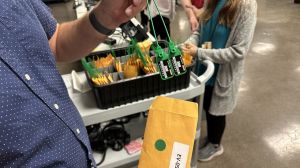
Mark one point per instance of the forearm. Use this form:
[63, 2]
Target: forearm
[194, 38]
[221, 56]
[75, 40]
[241, 39]
[189, 12]
[238, 49]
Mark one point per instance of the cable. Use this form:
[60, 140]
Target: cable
[151, 21]
[113, 135]
[156, 6]
[102, 159]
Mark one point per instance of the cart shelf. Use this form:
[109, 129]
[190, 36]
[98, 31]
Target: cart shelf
[91, 114]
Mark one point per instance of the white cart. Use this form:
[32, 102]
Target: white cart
[91, 114]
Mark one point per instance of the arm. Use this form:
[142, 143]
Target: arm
[241, 39]
[73, 40]
[186, 4]
[194, 38]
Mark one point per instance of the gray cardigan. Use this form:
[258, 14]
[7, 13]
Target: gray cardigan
[231, 58]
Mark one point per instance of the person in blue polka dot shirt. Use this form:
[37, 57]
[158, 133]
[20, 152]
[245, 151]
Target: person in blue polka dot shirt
[39, 124]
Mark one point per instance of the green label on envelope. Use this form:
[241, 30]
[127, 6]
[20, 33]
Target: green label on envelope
[160, 145]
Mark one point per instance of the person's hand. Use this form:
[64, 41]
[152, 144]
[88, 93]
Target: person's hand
[192, 17]
[194, 23]
[190, 49]
[112, 13]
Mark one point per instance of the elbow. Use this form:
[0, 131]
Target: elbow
[239, 52]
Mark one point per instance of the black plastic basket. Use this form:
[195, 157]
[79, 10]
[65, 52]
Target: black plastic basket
[139, 88]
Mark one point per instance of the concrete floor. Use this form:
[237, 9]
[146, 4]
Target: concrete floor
[264, 130]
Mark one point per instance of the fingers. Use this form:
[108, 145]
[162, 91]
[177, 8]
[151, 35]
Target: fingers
[193, 27]
[185, 49]
[129, 11]
[188, 45]
[188, 48]
[194, 23]
[132, 10]
[135, 8]
[136, 2]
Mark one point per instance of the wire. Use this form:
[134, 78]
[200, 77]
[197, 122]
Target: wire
[151, 21]
[102, 159]
[156, 6]
[106, 135]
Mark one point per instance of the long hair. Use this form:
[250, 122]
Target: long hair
[226, 15]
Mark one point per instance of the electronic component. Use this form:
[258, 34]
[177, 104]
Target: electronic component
[110, 41]
[133, 30]
[113, 136]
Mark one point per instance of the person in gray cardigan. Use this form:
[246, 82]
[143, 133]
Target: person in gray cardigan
[224, 37]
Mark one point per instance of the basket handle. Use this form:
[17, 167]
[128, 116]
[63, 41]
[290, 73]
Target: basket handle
[210, 68]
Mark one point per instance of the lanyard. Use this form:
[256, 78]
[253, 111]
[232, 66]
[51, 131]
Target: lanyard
[170, 63]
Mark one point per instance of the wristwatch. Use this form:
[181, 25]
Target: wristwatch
[98, 26]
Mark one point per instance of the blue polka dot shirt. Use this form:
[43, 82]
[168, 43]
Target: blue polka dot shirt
[39, 124]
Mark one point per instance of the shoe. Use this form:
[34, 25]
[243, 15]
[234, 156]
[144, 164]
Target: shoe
[209, 151]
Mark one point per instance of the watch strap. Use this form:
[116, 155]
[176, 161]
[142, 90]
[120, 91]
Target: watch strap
[98, 26]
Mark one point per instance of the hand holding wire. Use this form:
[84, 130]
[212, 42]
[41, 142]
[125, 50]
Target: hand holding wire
[112, 13]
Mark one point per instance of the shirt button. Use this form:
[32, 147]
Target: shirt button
[78, 131]
[56, 106]
[27, 77]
